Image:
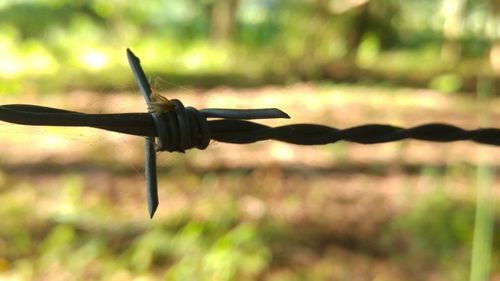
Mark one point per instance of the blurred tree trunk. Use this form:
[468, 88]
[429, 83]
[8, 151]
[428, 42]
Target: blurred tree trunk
[222, 19]
[374, 17]
[314, 41]
[359, 20]
[359, 27]
[453, 14]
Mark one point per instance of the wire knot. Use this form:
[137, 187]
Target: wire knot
[181, 128]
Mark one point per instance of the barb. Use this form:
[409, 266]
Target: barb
[149, 142]
[186, 127]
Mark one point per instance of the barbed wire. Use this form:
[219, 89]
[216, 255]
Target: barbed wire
[241, 131]
[178, 128]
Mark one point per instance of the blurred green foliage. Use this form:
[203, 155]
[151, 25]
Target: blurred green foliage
[73, 243]
[76, 241]
[50, 44]
[54, 45]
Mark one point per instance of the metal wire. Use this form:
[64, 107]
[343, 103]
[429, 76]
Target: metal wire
[243, 132]
[184, 128]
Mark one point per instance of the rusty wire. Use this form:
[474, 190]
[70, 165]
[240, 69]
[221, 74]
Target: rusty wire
[184, 128]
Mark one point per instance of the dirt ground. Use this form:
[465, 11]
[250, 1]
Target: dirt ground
[336, 197]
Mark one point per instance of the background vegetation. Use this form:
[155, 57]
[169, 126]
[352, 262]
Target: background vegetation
[440, 44]
[72, 201]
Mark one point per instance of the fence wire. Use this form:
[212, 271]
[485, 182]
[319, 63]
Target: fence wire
[169, 126]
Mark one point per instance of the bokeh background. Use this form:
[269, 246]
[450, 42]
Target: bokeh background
[72, 200]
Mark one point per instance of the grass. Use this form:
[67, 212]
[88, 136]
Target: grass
[485, 216]
[72, 201]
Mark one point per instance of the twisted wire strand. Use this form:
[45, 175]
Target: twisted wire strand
[243, 131]
[239, 131]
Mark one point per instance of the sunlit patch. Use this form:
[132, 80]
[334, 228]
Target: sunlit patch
[40, 61]
[495, 58]
[282, 152]
[95, 59]
[11, 66]
[51, 141]
[193, 60]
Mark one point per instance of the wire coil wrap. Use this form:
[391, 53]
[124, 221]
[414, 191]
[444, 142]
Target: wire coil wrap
[185, 128]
